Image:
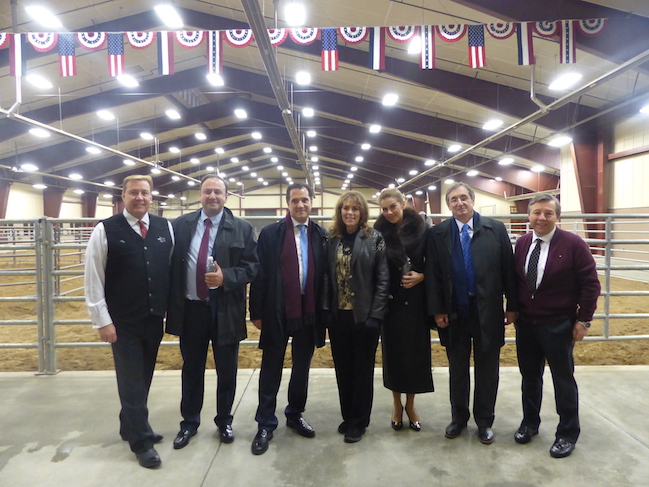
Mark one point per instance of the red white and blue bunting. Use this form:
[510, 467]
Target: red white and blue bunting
[304, 36]
[91, 41]
[353, 35]
[591, 27]
[43, 41]
[402, 33]
[4, 39]
[501, 30]
[140, 40]
[427, 57]
[451, 32]
[547, 29]
[238, 37]
[214, 53]
[277, 36]
[190, 39]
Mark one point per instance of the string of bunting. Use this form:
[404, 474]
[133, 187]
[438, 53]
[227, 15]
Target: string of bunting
[563, 30]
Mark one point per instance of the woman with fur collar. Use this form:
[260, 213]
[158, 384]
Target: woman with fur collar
[406, 335]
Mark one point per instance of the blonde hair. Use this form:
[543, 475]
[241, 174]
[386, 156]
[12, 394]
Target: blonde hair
[137, 177]
[392, 193]
[338, 226]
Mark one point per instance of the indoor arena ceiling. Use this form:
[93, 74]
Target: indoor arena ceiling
[435, 109]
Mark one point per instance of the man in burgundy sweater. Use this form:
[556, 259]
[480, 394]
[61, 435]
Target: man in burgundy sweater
[558, 289]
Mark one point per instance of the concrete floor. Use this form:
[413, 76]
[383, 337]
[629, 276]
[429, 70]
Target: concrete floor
[62, 430]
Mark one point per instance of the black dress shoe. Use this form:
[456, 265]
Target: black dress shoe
[301, 427]
[453, 430]
[149, 458]
[354, 435]
[415, 425]
[157, 438]
[561, 448]
[524, 434]
[226, 434]
[260, 443]
[182, 438]
[486, 436]
[343, 427]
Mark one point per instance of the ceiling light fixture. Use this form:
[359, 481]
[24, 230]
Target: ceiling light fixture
[432, 188]
[565, 81]
[449, 181]
[313, 148]
[560, 141]
[472, 172]
[39, 186]
[493, 124]
[173, 114]
[43, 16]
[75, 176]
[109, 183]
[414, 47]
[191, 183]
[194, 160]
[303, 78]
[365, 146]
[215, 79]
[174, 150]
[308, 112]
[245, 168]
[93, 150]
[219, 150]
[498, 178]
[234, 159]
[256, 135]
[175, 178]
[28, 167]
[375, 129]
[454, 148]
[155, 170]
[105, 115]
[38, 81]
[78, 191]
[108, 196]
[268, 150]
[430, 162]
[280, 168]
[39, 132]
[537, 168]
[390, 99]
[315, 168]
[200, 136]
[169, 16]
[240, 113]
[310, 133]
[359, 159]
[294, 14]
[413, 172]
[315, 159]
[146, 136]
[274, 159]
[505, 161]
[353, 169]
[128, 162]
[128, 80]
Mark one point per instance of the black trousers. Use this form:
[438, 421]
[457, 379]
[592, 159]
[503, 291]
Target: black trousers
[200, 328]
[135, 353]
[536, 343]
[486, 372]
[354, 350]
[270, 376]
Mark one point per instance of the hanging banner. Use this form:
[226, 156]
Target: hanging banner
[277, 36]
[190, 39]
[115, 54]
[568, 47]
[329, 50]
[524, 43]
[140, 40]
[17, 58]
[547, 29]
[67, 55]
[402, 33]
[91, 41]
[501, 30]
[377, 48]
[591, 27]
[4, 39]
[165, 53]
[477, 54]
[43, 41]
[304, 36]
[451, 32]
[353, 35]
[238, 37]
[215, 53]
[427, 56]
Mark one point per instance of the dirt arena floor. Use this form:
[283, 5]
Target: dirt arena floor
[627, 352]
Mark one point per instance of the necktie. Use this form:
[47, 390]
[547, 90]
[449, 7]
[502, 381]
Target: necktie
[468, 258]
[201, 262]
[304, 247]
[533, 266]
[143, 230]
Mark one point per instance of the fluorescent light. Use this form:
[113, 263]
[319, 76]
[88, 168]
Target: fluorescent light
[268, 150]
[173, 114]
[240, 113]
[313, 148]
[78, 191]
[413, 172]
[390, 99]
[39, 186]
[39, 132]
[191, 183]
[174, 150]
[353, 169]
[265, 183]
[107, 196]
[560, 140]
[472, 172]
[43, 16]
[419, 193]
[128, 80]
[430, 162]
[75, 176]
[256, 135]
[284, 174]
[93, 150]
[359, 159]
[200, 136]
[505, 161]
[234, 159]
[38, 81]
[375, 129]
[280, 168]
[401, 180]
[493, 124]
[365, 146]
[169, 16]
[565, 81]
[155, 192]
[294, 14]
[314, 159]
[106, 115]
[316, 174]
[253, 174]
[432, 188]
[315, 168]
[454, 148]
[109, 183]
[28, 167]
[232, 180]
[391, 185]
[194, 160]
[303, 78]
[308, 112]
[146, 136]
[219, 150]
[183, 198]
[171, 195]
[274, 159]
[155, 170]
[310, 133]
[215, 79]
[175, 178]
[537, 168]
[415, 45]
[449, 181]
[244, 168]
[261, 180]
[128, 162]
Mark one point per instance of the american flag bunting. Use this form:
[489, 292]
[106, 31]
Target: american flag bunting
[524, 41]
[476, 46]
[427, 56]
[329, 50]
[568, 50]
[215, 53]
[67, 56]
[115, 54]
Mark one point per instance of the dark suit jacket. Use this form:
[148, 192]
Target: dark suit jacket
[267, 290]
[493, 260]
[570, 286]
[235, 251]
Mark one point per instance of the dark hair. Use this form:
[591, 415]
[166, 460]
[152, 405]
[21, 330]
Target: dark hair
[293, 186]
[214, 176]
[544, 197]
[458, 185]
[338, 226]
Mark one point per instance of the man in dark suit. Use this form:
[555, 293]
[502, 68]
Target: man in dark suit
[558, 289]
[283, 301]
[218, 314]
[470, 266]
[127, 284]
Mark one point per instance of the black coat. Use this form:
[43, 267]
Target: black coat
[267, 290]
[235, 251]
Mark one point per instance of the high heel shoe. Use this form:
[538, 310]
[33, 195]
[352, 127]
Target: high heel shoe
[416, 424]
[396, 426]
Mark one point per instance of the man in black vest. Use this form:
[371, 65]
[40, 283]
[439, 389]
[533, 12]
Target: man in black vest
[283, 301]
[127, 284]
[218, 314]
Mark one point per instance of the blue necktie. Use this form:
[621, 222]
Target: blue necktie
[304, 247]
[468, 258]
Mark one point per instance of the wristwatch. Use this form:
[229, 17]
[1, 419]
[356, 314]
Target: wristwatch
[586, 324]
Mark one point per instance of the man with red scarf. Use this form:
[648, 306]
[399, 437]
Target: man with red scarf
[283, 301]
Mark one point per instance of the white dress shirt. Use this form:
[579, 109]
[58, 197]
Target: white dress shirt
[95, 273]
[460, 225]
[543, 256]
[194, 247]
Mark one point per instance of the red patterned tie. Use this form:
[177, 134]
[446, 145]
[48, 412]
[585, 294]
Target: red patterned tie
[201, 262]
[143, 230]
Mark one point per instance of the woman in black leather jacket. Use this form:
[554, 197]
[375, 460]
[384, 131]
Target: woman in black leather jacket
[357, 289]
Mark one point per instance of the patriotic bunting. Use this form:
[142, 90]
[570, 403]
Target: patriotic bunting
[427, 58]
[238, 37]
[190, 39]
[329, 50]
[402, 33]
[91, 41]
[165, 53]
[43, 41]
[524, 41]
[215, 52]
[476, 46]
[377, 48]
[4, 39]
[277, 36]
[353, 35]
[115, 54]
[17, 58]
[67, 56]
[591, 27]
[546, 29]
[568, 49]
[501, 31]
[451, 32]
[304, 36]
[140, 40]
